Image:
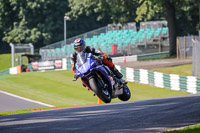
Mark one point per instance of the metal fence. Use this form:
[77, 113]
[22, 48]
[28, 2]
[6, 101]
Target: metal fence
[126, 38]
[128, 26]
[70, 40]
[49, 52]
[18, 50]
[184, 47]
[153, 24]
[52, 52]
[196, 57]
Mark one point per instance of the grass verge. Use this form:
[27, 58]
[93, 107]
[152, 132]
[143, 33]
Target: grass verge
[191, 129]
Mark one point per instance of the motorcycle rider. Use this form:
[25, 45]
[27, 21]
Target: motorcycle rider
[80, 45]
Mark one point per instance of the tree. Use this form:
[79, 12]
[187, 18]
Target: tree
[38, 21]
[178, 13]
[21, 34]
[41, 21]
[171, 8]
[113, 11]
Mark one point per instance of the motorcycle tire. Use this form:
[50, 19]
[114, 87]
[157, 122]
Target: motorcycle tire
[126, 94]
[104, 95]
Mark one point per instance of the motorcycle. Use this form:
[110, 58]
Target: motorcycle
[100, 79]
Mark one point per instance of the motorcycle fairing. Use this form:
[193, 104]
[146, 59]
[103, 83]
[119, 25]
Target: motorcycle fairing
[83, 65]
[86, 65]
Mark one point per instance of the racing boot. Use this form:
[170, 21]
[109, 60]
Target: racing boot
[116, 72]
[118, 75]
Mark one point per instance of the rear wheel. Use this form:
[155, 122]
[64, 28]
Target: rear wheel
[126, 94]
[103, 94]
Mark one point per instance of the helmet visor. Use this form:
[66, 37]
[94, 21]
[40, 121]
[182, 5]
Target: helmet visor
[79, 48]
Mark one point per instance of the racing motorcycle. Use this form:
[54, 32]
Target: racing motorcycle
[100, 79]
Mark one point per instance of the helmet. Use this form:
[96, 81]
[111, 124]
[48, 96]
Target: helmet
[79, 45]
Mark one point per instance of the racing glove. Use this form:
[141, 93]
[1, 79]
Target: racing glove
[100, 57]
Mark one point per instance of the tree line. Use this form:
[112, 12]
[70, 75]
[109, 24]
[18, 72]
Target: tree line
[41, 22]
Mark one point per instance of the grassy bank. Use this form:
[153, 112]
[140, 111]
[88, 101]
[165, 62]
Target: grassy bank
[185, 70]
[5, 61]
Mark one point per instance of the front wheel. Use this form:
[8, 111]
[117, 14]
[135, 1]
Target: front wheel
[103, 94]
[126, 94]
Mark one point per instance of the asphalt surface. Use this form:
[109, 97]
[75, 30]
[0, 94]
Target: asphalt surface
[142, 116]
[12, 103]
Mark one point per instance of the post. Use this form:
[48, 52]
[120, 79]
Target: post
[193, 58]
[184, 47]
[20, 59]
[159, 49]
[32, 48]
[177, 47]
[65, 28]
[12, 52]
[199, 11]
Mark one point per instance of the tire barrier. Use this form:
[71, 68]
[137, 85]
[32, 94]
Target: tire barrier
[189, 84]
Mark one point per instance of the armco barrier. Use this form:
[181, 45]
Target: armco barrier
[122, 58]
[13, 70]
[189, 84]
[140, 57]
[153, 56]
[5, 72]
[65, 65]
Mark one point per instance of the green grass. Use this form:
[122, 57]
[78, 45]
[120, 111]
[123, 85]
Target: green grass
[191, 129]
[21, 111]
[57, 88]
[185, 70]
[5, 61]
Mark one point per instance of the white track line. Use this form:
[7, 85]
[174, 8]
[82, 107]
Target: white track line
[26, 99]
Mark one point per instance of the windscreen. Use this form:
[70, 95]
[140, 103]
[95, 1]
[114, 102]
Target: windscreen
[81, 58]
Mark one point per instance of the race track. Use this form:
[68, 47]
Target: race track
[142, 116]
[11, 102]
